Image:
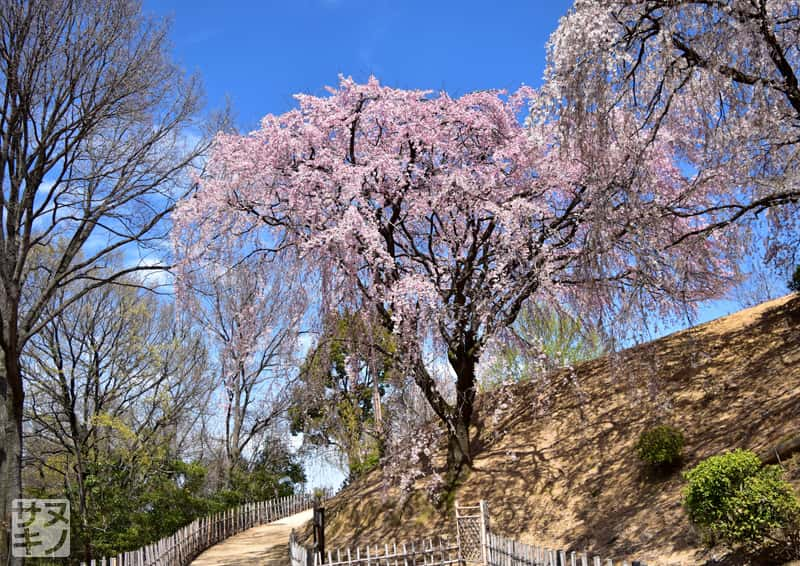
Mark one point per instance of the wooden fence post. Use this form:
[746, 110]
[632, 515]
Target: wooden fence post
[319, 530]
[484, 508]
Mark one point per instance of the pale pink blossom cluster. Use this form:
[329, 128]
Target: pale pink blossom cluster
[447, 209]
[503, 401]
[410, 457]
[717, 81]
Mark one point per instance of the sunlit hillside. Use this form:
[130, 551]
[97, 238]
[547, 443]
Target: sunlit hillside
[558, 467]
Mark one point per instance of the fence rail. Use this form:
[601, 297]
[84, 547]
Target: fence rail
[475, 545]
[180, 548]
[506, 552]
[439, 552]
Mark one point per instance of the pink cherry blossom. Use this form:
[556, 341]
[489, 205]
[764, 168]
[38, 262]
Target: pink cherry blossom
[447, 214]
[717, 81]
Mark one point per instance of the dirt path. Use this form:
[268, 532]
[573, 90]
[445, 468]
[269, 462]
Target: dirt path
[264, 545]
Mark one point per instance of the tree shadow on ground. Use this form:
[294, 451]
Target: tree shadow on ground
[568, 477]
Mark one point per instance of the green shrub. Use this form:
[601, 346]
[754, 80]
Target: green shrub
[732, 498]
[364, 463]
[794, 282]
[660, 447]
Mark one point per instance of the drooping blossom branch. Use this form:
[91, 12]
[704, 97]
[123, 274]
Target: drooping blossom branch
[717, 80]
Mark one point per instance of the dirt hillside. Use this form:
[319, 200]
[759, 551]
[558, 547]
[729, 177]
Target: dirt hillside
[558, 466]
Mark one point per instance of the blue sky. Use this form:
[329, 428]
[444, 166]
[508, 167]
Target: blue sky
[260, 53]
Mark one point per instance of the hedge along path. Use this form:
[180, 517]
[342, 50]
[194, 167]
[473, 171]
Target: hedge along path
[263, 545]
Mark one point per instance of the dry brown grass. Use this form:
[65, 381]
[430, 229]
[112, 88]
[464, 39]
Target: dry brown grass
[570, 478]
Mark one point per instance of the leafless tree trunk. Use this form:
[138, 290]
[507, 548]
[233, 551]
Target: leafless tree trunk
[93, 153]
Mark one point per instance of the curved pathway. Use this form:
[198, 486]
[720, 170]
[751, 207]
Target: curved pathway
[264, 545]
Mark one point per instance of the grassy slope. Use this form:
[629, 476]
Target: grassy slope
[566, 476]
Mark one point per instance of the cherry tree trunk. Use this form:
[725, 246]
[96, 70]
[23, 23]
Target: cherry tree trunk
[459, 449]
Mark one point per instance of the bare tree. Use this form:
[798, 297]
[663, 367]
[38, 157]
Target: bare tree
[252, 313]
[114, 371]
[93, 152]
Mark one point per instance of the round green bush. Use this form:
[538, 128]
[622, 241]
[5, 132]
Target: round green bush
[732, 498]
[794, 282]
[660, 446]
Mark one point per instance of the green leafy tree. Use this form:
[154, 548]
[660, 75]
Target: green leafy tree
[660, 447]
[734, 499]
[129, 494]
[339, 399]
[136, 504]
[115, 382]
[274, 471]
[543, 338]
[137, 493]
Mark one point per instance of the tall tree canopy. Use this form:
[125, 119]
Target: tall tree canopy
[94, 119]
[115, 381]
[447, 214]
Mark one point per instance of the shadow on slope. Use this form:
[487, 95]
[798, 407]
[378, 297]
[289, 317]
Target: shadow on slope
[558, 468]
